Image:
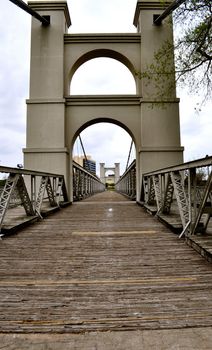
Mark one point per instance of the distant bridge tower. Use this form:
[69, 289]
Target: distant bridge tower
[104, 169]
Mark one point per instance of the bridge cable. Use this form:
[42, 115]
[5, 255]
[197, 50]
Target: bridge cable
[128, 159]
[173, 6]
[83, 149]
[45, 20]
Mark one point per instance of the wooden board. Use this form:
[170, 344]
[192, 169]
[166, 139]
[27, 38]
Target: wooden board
[98, 265]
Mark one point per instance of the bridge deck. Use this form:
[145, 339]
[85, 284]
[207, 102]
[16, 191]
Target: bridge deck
[101, 264]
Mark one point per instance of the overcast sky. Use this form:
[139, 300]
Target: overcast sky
[86, 16]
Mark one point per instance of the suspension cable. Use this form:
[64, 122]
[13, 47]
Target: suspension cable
[173, 6]
[83, 149]
[128, 159]
[45, 20]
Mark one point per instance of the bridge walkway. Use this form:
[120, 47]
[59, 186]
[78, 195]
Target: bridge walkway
[102, 264]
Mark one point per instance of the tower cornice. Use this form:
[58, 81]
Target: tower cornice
[149, 5]
[51, 6]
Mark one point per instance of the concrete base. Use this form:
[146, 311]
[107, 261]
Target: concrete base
[173, 339]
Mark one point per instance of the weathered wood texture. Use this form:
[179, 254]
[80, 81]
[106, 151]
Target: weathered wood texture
[202, 243]
[16, 218]
[101, 264]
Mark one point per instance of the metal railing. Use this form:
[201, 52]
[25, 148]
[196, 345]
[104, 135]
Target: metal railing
[85, 183]
[30, 189]
[187, 188]
[127, 182]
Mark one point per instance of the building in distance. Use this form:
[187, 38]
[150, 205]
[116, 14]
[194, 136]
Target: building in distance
[89, 164]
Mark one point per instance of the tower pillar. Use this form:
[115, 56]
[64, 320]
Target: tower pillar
[160, 126]
[102, 172]
[46, 144]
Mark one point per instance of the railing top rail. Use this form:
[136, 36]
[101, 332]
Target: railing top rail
[5, 169]
[76, 165]
[199, 163]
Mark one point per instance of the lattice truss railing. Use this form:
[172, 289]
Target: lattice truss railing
[85, 184]
[30, 189]
[187, 187]
[127, 182]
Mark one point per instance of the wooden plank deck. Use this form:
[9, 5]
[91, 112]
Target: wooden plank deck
[202, 243]
[101, 264]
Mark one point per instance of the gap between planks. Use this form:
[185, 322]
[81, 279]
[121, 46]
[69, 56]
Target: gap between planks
[101, 281]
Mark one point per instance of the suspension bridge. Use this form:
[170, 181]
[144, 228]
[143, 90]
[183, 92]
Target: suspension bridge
[119, 269]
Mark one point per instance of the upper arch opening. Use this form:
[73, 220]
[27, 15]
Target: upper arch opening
[102, 72]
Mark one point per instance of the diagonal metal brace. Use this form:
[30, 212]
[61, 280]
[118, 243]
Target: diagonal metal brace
[6, 195]
[151, 191]
[157, 188]
[61, 190]
[23, 194]
[180, 194]
[40, 195]
[45, 184]
[50, 193]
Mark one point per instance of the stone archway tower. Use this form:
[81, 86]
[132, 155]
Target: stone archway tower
[116, 170]
[55, 118]
[46, 141]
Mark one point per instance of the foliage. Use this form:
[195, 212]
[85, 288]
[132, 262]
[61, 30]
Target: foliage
[193, 51]
[201, 176]
[194, 47]
[2, 182]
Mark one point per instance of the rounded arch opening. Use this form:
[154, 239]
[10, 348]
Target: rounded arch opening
[109, 172]
[102, 72]
[105, 141]
[100, 120]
